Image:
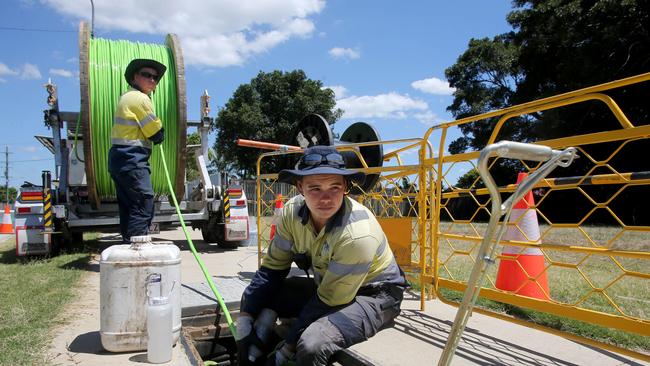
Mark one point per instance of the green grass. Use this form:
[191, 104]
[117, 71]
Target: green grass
[574, 278]
[33, 292]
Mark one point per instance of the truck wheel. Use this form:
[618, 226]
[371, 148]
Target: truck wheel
[209, 231]
[66, 240]
[213, 232]
[77, 242]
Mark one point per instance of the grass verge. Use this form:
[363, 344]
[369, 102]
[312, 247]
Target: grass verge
[33, 293]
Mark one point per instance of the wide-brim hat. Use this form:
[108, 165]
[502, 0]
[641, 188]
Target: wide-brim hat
[140, 63]
[335, 165]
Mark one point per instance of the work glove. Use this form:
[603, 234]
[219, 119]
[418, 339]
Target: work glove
[282, 356]
[158, 137]
[244, 326]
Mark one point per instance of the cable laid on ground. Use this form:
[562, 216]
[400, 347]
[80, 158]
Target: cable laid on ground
[206, 274]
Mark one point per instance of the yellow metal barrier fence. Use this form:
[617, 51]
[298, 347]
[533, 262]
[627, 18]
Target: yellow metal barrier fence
[596, 254]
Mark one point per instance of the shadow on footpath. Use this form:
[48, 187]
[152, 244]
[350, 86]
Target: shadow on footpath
[88, 343]
[479, 348]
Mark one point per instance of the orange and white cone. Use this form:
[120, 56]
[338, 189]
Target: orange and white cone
[277, 213]
[6, 227]
[525, 273]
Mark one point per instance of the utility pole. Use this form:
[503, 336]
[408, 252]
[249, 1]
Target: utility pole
[7, 174]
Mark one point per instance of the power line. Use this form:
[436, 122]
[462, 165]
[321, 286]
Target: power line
[27, 161]
[36, 30]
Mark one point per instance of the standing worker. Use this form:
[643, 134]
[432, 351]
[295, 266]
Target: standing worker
[357, 286]
[135, 128]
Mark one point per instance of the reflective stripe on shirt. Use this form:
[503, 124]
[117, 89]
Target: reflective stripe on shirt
[348, 269]
[126, 142]
[282, 243]
[125, 122]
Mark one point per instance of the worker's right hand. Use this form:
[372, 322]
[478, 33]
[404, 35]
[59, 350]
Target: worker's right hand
[244, 326]
[158, 137]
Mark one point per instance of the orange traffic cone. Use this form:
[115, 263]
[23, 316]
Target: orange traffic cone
[525, 273]
[276, 214]
[6, 227]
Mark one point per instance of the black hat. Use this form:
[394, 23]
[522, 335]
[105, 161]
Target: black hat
[320, 160]
[140, 63]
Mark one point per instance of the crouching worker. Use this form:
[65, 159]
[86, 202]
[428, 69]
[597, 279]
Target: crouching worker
[357, 286]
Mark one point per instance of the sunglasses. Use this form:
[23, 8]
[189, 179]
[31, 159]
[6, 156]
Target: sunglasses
[148, 75]
[317, 159]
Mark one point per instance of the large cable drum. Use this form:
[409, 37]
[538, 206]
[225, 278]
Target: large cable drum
[102, 64]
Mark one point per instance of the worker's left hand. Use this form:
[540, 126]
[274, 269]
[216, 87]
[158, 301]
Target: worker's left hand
[244, 326]
[284, 356]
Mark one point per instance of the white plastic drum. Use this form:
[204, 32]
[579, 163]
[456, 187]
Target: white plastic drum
[123, 297]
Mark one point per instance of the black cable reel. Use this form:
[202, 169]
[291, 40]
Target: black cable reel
[313, 130]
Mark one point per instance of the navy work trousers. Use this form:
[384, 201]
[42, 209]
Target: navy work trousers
[135, 199]
[373, 308]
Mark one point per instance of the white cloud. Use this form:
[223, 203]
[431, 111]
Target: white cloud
[428, 118]
[227, 34]
[72, 60]
[62, 73]
[2, 81]
[29, 71]
[433, 86]
[339, 90]
[5, 70]
[345, 53]
[390, 105]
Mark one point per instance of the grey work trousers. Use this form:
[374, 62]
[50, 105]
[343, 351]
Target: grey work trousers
[373, 308]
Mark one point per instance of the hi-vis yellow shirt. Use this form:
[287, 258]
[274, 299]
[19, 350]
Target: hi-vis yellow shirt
[351, 251]
[134, 120]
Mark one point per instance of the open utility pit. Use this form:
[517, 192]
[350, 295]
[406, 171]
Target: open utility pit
[205, 335]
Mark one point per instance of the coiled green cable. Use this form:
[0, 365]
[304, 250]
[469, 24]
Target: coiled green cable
[107, 61]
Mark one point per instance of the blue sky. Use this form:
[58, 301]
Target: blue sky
[384, 59]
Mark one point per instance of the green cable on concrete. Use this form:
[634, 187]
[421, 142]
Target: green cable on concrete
[207, 276]
[107, 61]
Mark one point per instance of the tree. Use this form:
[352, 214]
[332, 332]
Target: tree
[268, 109]
[556, 46]
[191, 168]
[485, 77]
[13, 193]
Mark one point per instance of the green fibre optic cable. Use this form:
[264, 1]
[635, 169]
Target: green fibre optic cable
[107, 61]
[206, 274]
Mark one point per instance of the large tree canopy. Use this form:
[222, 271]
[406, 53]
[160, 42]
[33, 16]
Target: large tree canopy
[268, 109]
[556, 46]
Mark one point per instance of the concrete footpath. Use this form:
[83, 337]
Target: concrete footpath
[417, 338]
